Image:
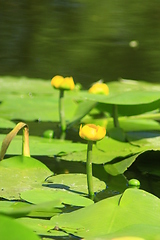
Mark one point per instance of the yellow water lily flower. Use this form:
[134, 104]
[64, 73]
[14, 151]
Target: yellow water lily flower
[60, 82]
[92, 132]
[99, 88]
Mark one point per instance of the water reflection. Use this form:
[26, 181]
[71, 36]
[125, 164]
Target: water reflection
[85, 39]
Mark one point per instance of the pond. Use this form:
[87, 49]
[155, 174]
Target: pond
[85, 39]
[111, 41]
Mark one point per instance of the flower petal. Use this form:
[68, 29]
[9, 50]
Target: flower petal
[60, 82]
[92, 132]
[57, 81]
[101, 133]
[99, 88]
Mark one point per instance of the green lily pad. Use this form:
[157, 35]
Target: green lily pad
[21, 85]
[124, 93]
[134, 124]
[42, 227]
[74, 182]
[144, 145]
[23, 162]
[112, 215]
[131, 97]
[24, 99]
[123, 153]
[37, 196]
[43, 146]
[20, 209]
[9, 229]
[105, 151]
[6, 123]
[33, 107]
[135, 232]
[121, 166]
[83, 109]
[147, 110]
[20, 173]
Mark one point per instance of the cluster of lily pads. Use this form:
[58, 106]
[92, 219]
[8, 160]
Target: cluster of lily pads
[115, 124]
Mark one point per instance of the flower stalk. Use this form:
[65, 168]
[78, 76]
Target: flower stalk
[61, 110]
[89, 170]
[115, 116]
[91, 132]
[62, 84]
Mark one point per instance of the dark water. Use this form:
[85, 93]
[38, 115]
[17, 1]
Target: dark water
[87, 39]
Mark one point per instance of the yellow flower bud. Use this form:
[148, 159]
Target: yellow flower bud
[99, 88]
[92, 132]
[60, 82]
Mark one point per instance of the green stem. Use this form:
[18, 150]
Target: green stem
[61, 110]
[89, 170]
[25, 142]
[115, 115]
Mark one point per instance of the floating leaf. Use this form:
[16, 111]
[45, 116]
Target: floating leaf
[104, 151]
[144, 145]
[123, 93]
[44, 146]
[21, 85]
[134, 232]
[29, 107]
[19, 173]
[20, 209]
[121, 166]
[37, 196]
[74, 182]
[42, 227]
[6, 123]
[131, 99]
[83, 109]
[112, 215]
[9, 229]
[134, 124]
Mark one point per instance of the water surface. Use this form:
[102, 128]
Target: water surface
[89, 40]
